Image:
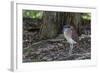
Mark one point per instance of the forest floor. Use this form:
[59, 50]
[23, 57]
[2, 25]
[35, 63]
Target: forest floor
[56, 49]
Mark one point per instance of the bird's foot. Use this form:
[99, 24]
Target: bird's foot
[70, 53]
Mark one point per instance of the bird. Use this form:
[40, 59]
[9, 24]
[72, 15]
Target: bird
[71, 36]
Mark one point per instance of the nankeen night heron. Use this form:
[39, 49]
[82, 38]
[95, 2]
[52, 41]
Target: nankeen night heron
[70, 35]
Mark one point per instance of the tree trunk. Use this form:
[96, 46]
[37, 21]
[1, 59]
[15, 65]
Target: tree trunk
[73, 19]
[53, 23]
[49, 28]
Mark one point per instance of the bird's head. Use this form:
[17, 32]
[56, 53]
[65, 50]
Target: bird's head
[66, 28]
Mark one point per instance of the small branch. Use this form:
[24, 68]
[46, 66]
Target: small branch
[84, 36]
[85, 54]
[54, 40]
[34, 44]
[80, 56]
[48, 40]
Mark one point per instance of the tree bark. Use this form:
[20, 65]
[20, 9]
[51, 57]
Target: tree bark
[49, 28]
[73, 19]
[53, 23]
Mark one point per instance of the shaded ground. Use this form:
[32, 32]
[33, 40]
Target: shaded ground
[54, 49]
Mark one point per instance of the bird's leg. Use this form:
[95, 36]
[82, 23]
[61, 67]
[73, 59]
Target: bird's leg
[71, 48]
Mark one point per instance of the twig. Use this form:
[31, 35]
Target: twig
[79, 58]
[84, 36]
[55, 40]
[52, 40]
[85, 54]
[34, 44]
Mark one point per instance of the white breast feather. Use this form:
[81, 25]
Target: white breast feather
[69, 38]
